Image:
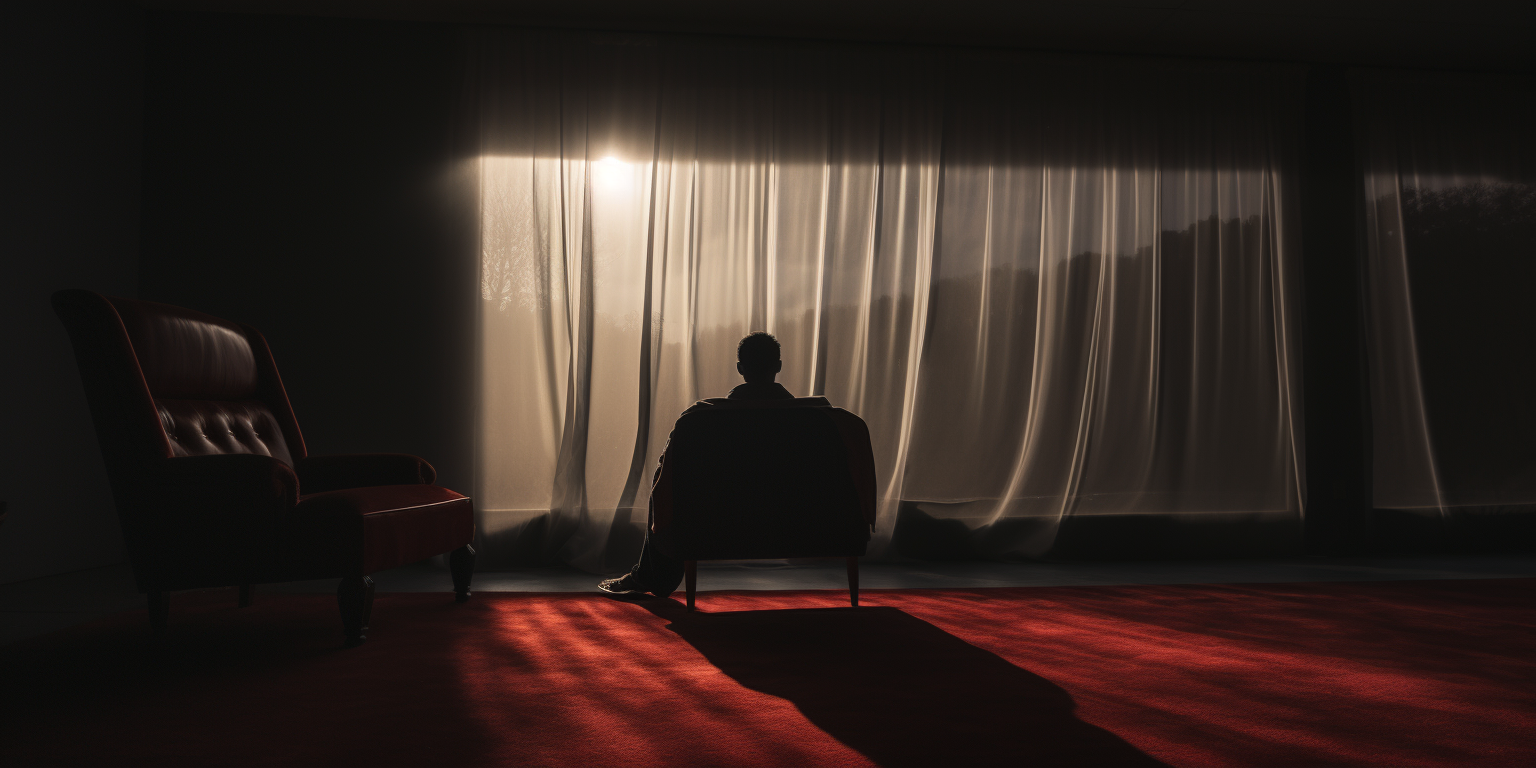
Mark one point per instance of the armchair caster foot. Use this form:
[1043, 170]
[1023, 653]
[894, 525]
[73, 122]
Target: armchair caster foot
[853, 581]
[159, 613]
[690, 580]
[354, 596]
[461, 563]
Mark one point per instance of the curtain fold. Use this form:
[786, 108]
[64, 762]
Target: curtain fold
[1450, 211]
[1055, 288]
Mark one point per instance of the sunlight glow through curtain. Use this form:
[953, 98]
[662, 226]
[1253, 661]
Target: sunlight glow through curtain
[1052, 287]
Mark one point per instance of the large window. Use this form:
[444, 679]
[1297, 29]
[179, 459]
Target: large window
[1450, 200]
[1053, 288]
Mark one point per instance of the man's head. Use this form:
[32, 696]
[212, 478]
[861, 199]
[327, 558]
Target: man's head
[757, 357]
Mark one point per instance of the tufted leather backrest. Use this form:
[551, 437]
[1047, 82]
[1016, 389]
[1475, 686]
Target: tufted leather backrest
[203, 376]
[201, 427]
[169, 381]
[188, 355]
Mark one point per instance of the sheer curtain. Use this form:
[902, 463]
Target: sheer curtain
[1451, 255]
[1054, 288]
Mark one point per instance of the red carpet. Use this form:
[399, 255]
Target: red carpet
[1385, 673]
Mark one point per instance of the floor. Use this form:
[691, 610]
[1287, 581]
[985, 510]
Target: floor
[39, 606]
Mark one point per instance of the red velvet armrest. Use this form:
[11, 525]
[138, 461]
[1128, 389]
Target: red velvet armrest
[195, 500]
[225, 478]
[318, 474]
[194, 521]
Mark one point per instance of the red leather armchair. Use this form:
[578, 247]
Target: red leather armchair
[211, 478]
[761, 479]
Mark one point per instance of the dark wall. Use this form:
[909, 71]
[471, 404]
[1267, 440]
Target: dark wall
[1334, 383]
[301, 176]
[72, 98]
[1467, 34]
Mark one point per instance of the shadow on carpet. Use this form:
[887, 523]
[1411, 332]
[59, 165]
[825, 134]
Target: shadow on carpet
[1389, 673]
[899, 690]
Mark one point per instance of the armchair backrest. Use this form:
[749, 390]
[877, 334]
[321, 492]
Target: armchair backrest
[770, 479]
[166, 381]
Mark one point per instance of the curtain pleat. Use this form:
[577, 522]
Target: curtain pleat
[1450, 224]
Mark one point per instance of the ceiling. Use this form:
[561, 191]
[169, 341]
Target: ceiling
[1458, 34]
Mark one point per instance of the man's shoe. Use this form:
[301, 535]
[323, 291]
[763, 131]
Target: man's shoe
[624, 586]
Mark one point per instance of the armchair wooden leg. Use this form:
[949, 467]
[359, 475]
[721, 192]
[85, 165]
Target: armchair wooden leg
[354, 596]
[853, 581]
[690, 580]
[247, 595]
[461, 563]
[159, 612]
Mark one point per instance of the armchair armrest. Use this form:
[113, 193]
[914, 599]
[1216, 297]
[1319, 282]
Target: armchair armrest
[207, 520]
[245, 478]
[192, 498]
[318, 474]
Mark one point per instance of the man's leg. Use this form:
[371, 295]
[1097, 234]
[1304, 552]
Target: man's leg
[657, 572]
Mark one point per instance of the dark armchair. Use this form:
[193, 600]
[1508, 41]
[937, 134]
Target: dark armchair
[766, 479]
[211, 478]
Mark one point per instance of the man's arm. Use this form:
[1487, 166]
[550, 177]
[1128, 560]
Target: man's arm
[661, 480]
[661, 495]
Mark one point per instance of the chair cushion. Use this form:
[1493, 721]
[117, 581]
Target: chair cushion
[363, 530]
[362, 470]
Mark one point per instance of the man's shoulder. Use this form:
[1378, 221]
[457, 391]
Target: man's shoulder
[728, 404]
[704, 404]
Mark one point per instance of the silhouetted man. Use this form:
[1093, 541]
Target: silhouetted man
[658, 573]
